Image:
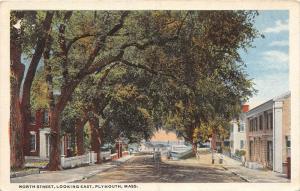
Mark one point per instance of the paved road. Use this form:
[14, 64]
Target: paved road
[142, 169]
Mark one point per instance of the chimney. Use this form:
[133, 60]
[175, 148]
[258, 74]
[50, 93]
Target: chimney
[245, 108]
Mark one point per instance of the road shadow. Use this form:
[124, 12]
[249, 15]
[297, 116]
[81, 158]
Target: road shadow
[144, 170]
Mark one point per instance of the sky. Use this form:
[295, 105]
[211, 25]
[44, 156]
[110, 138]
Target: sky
[267, 63]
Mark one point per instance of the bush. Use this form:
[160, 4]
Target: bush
[240, 153]
[226, 149]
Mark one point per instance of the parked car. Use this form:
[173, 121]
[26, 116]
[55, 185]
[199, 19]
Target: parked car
[105, 153]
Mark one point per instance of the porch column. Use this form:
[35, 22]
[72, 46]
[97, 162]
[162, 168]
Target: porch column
[277, 137]
[43, 145]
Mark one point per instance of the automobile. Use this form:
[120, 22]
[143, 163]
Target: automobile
[105, 153]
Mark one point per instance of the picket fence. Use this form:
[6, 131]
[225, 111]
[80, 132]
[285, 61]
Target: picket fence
[89, 158]
[70, 162]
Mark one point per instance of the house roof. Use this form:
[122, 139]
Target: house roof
[282, 96]
[268, 104]
[162, 135]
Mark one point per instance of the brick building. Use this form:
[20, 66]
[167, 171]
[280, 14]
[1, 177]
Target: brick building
[37, 137]
[268, 133]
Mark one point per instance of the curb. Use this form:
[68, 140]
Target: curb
[237, 174]
[24, 173]
[113, 165]
[89, 175]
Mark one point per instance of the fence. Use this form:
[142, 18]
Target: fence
[89, 158]
[179, 148]
[70, 162]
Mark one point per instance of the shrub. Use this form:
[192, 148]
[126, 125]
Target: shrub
[240, 153]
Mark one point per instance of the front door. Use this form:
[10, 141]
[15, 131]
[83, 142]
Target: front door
[270, 154]
[251, 150]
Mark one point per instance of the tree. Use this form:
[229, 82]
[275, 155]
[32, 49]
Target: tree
[212, 81]
[33, 28]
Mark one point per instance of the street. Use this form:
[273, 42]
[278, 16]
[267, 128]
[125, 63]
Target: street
[143, 169]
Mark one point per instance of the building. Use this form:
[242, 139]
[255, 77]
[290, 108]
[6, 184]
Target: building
[37, 137]
[238, 132]
[268, 134]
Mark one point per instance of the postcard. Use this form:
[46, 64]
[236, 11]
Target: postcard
[150, 95]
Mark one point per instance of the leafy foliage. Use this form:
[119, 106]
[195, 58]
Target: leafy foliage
[141, 70]
[39, 92]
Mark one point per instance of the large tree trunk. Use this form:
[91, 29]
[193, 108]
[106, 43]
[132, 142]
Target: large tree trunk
[55, 111]
[16, 131]
[55, 144]
[194, 146]
[214, 140]
[96, 142]
[79, 126]
[16, 119]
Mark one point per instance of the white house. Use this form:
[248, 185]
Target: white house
[238, 132]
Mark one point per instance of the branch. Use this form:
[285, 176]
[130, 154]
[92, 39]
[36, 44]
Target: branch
[102, 39]
[110, 33]
[100, 64]
[40, 45]
[75, 39]
[83, 72]
[63, 47]
[182, 21]
[158, 72]
[106, 72]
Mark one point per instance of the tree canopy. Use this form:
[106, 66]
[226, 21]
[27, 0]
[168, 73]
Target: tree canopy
[141, 70]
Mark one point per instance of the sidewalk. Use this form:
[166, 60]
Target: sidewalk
[251, 175]
[70, 175]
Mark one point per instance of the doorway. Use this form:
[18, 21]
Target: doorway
[270, 154]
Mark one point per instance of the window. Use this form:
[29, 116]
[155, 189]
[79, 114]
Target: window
[256, 124]
[288, 141]
[260, 122]
[69, 142]
[249, 122]
[32, 117]
[267, 120]
[241, 127]
[46, 117]
[271, 120]
[242, 144]
[32, 141]
[251, 149]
